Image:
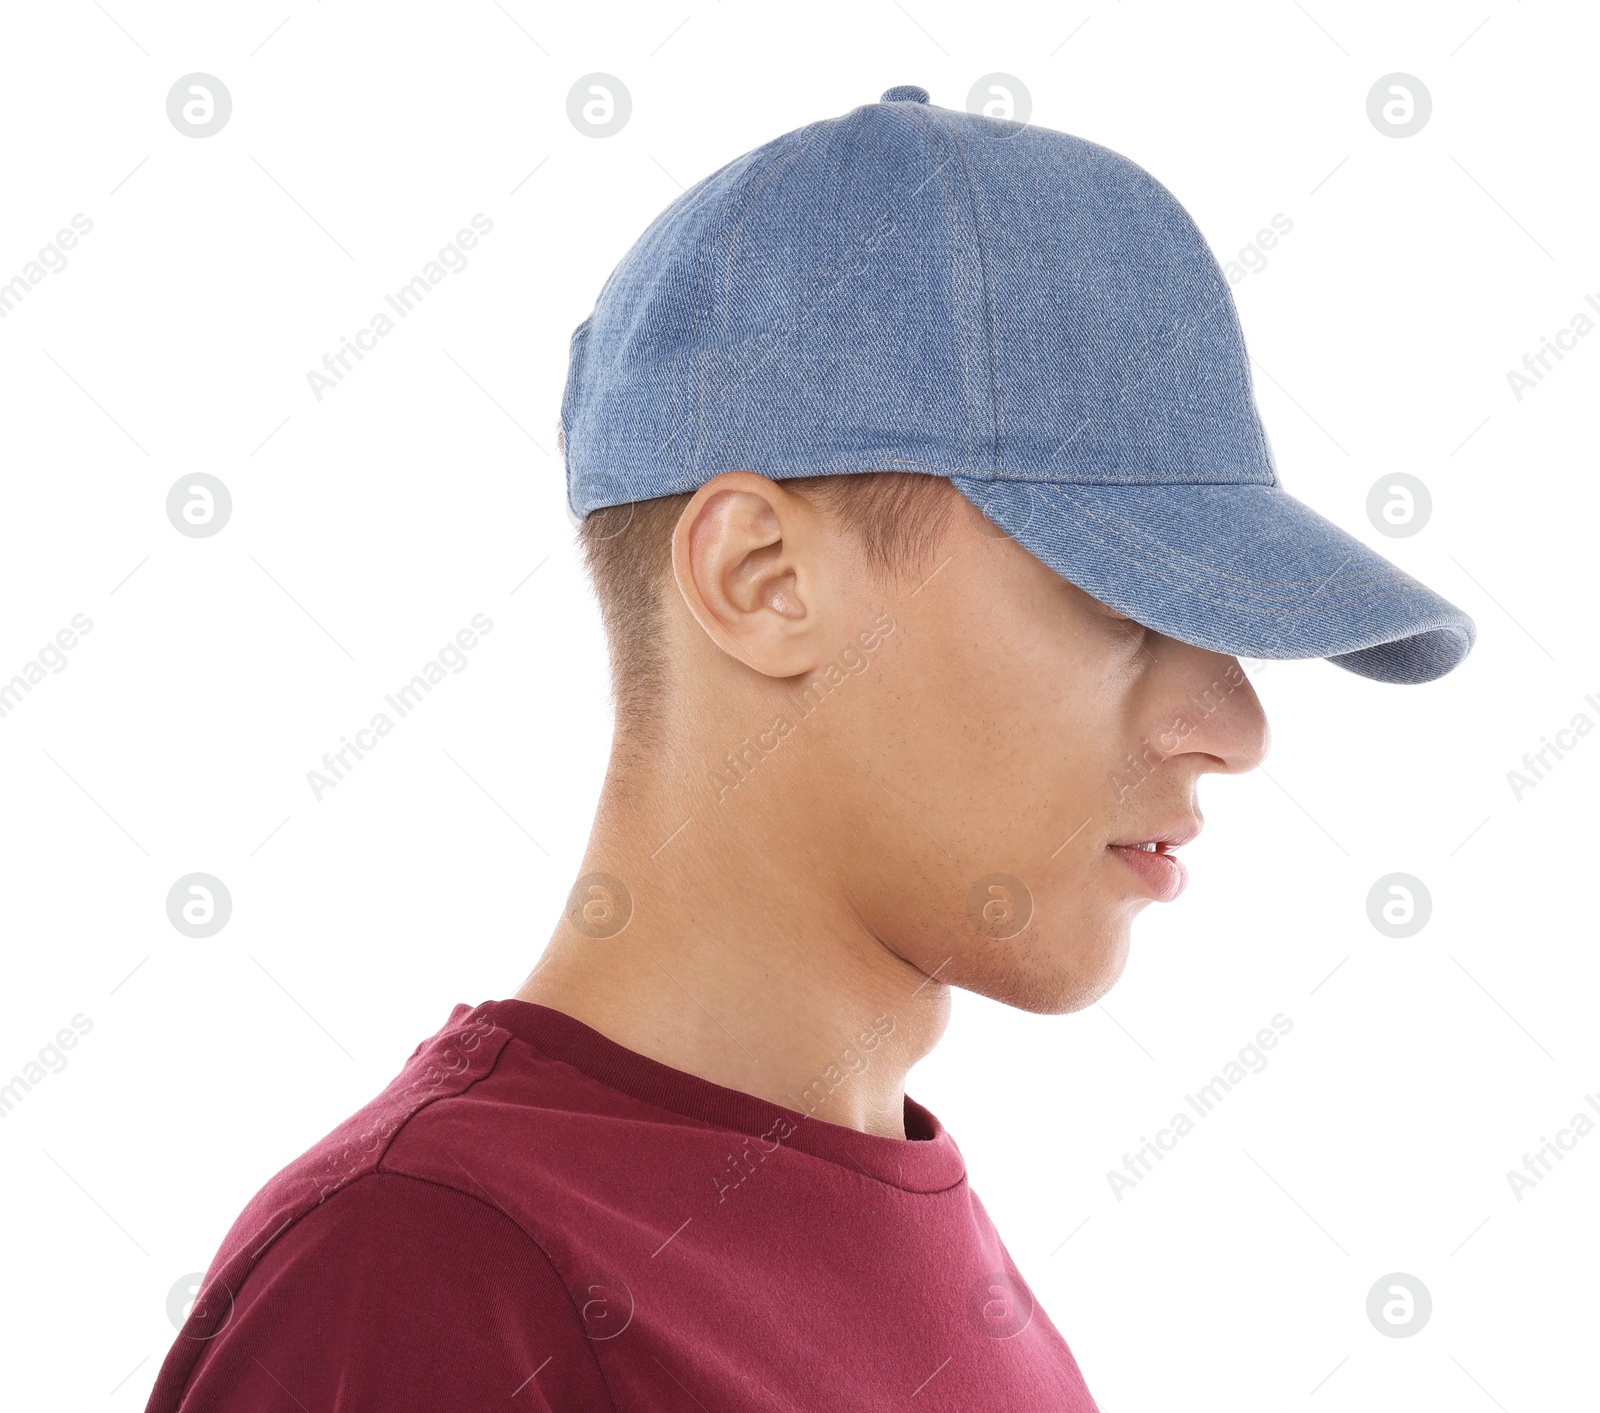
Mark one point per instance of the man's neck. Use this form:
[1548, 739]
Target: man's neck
[742, 960]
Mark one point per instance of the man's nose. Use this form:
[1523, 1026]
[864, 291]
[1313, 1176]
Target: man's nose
[1208, 707]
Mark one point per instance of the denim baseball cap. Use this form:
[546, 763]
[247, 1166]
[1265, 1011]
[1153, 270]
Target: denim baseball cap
[1033, 316]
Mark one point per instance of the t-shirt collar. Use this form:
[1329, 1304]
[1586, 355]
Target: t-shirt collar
[926, 1160]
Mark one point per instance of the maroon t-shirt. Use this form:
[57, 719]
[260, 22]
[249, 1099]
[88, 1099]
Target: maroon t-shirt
[532, 1216]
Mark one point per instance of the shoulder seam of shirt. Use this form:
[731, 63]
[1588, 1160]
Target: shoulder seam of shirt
[409, 1113]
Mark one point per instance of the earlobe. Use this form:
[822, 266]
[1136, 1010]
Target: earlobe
[739, 555]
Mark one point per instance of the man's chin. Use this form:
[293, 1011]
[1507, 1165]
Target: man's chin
[1065, 978]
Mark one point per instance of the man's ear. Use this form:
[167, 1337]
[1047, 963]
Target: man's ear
[748, 558]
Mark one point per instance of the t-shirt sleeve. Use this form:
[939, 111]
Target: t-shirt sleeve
[404, 1296]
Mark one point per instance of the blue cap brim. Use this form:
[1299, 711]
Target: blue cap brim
[1241, 569]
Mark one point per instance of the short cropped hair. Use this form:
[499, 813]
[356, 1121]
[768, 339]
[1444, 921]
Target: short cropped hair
[897, 517]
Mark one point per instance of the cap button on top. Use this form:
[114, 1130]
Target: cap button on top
[905, 93]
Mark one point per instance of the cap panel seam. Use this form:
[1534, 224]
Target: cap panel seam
[677, 393]
[932, 120]
[774, 168]
[1245, 381]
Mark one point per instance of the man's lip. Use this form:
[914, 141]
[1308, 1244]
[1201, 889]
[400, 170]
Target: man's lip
[1172, 835]
[1161, 871]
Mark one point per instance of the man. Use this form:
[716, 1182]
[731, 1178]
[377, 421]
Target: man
[927, 507]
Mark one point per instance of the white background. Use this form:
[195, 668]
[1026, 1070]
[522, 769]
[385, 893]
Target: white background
[369, 527]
